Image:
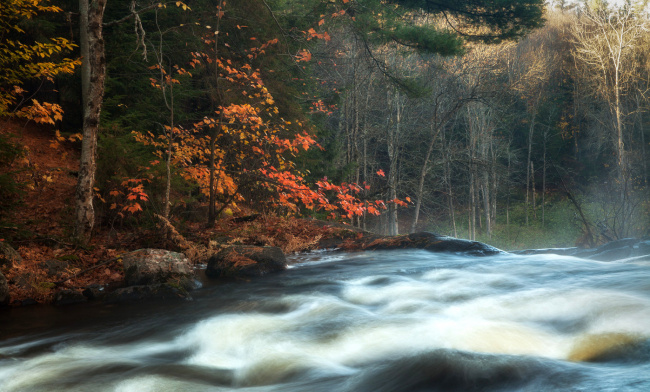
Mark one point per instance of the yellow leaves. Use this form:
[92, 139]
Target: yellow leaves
[183, 6]
[21, 62]
[42, 113]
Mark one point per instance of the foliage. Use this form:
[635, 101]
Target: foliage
[22, 58]
[245, 145]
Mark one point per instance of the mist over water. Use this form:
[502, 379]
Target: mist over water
[369, 321]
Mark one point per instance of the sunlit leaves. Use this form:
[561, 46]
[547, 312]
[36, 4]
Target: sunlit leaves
[21, 60]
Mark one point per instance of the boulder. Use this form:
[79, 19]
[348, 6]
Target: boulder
[8, 256]
[622, 249]
[93, 292]
[68, 297]
[4, 290]
[141, 292]
[54, 267]
[157, 266]
[433, 243]
[245, 260]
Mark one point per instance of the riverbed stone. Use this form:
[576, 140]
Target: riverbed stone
[93, 292]
[4, 290]
[157, 266]
[162, 291]
[245, 261]
[68, 297]
[8, 256]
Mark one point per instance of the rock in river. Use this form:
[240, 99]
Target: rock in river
[245, 260]
[157, 266]
[433, 243]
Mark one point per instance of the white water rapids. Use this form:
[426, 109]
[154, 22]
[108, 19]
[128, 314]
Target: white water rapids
[373, 321]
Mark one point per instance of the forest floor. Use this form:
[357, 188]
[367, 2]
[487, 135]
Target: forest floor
[39, 226]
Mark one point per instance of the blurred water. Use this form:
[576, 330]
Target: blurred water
[368, 321]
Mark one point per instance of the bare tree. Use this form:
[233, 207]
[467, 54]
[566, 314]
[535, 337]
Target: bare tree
[606, 41]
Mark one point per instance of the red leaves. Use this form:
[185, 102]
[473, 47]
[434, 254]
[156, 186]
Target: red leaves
[381, 173]
[311, 34]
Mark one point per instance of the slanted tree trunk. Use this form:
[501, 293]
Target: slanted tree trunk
[93, 73]
[423, 173]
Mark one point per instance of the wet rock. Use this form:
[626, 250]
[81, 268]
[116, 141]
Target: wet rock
[54, 267]
[157, 266]
[68, 297]
[93, 292]
[245, 260]
[622, 249]
[4, 290]
[141, 292]
[627, 248]
[554, 251]
[433, 243]
[8, 256]
[24, 302]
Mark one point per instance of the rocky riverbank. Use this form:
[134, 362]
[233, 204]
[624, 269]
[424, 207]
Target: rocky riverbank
[168, 274]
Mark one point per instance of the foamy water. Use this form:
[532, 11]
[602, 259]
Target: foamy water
[376, 321]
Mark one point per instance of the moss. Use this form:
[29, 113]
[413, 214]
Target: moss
[68, 258]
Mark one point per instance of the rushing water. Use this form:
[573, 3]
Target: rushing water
[375, 321]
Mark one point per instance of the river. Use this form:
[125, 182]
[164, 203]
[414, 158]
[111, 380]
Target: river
[368, 321]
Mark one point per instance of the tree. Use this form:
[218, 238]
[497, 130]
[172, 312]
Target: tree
[606, 43]
[22, 58]
[479, 20]
[93, 74]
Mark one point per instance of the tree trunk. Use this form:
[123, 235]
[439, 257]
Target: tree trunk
[93, 73]
[212, 212]
[528, 174]
[643, 146]
[533, 189]
[472, 204]
[423, 174]
[486, 204]
[393, 155]
[447, 175]
[544, 180]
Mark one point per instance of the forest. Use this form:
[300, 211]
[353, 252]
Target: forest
[517, 123]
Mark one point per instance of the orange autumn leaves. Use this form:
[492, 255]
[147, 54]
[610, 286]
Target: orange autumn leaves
[247, 147]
